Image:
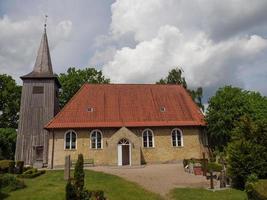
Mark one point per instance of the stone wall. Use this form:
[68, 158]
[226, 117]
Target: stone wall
[162, 152]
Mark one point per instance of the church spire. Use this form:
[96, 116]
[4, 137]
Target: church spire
[43, 64]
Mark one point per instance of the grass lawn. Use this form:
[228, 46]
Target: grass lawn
[200, 194]
[52, 186]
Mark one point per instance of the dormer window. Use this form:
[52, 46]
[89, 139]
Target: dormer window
[162, 109]
[90, 109]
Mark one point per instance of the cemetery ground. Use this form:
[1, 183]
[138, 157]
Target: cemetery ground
[51, 185]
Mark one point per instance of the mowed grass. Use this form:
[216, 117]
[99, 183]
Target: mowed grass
[51, 186]
[203, 194]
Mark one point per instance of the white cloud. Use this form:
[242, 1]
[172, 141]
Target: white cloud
[19, 41]
[213, 41]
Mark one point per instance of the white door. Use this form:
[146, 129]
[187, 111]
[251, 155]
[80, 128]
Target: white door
[119, 154]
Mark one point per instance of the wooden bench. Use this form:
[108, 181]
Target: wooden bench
[86, 162]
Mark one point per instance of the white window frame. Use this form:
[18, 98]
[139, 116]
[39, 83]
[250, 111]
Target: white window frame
[176, 137]
[153, 142]
[96, 130]
[70, 131]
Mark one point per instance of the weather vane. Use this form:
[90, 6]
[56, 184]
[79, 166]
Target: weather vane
[46, 16]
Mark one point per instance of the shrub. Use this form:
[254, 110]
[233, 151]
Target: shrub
[256, 190]
[79, 175]
[215, 167]
[20, 166]
[97, 195]
[31, 173]
[4, 165]
[10, 182]
[70, 191]
[11, 167]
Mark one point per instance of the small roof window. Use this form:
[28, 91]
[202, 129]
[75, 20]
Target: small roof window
[162, 109]
[90, 109]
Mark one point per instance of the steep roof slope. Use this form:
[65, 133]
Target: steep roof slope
[130, 105]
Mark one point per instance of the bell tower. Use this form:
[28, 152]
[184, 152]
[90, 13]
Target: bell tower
[39, 104]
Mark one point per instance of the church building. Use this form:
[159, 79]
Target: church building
[111, 124]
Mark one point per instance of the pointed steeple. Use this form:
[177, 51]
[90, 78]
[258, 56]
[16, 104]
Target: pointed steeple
[43, 65]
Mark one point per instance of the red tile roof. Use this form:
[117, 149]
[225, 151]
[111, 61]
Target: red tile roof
[129, 105]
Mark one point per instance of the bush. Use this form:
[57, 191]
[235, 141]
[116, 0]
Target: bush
[4, 165]
[20, 167]
[10, 183]
[31, 173]
[79, 175]
[256, 190]
[70, 191]
[11, 167]
[96, 195]
[215, 167]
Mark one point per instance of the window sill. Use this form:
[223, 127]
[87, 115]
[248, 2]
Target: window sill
[96, 149]
[178, 147]
[70, 149]
[148, 147]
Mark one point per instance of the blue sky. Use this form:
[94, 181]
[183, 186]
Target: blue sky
[215, 42]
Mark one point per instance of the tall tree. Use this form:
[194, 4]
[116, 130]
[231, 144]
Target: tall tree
[75, 78]
[247, 151]
[9, 102]
[175, 76]
[226, 108]
[8, 138]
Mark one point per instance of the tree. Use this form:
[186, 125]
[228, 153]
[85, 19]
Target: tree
[72, 81]
[7, 143]
[9, 102]
[247, 151]
[79, 176]
[226, 108]
[175, 77]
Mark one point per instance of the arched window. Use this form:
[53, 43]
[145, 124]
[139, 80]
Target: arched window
[96, 139]
[70, 139]
[177, 138]
[148, 138]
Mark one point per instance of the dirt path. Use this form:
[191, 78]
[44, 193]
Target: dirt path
[158, 178]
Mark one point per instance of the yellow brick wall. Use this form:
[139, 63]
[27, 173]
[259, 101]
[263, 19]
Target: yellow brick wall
[162, 152]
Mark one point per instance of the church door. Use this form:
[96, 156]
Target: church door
[124, 152]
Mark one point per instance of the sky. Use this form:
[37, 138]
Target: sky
[215, 42]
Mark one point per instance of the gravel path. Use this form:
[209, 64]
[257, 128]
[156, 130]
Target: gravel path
[158, 178]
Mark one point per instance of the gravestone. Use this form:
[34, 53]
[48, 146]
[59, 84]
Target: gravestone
[67, 168]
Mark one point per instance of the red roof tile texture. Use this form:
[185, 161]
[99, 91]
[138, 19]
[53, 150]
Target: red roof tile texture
[129, 105]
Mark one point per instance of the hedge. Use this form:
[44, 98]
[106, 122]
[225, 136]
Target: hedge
[257, 190]
[4, 165]
[31, 173]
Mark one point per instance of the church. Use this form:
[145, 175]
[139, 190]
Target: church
[110, 124]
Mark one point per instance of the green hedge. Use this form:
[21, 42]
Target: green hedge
[9, 182]
[257, 190]
[31, 173]
[4, 165]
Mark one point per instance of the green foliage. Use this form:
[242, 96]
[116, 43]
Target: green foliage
[70, 191]
[175, 77]
[7, 143]
[9, 102]
[72, 81]
[247, 152]
[215, 167]
[31, 173]
[79, 175]
[96, 195]
[4, 165]
[10, 183]
[256, 190]
[226, 108]
[11, 167]
[20, 166]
